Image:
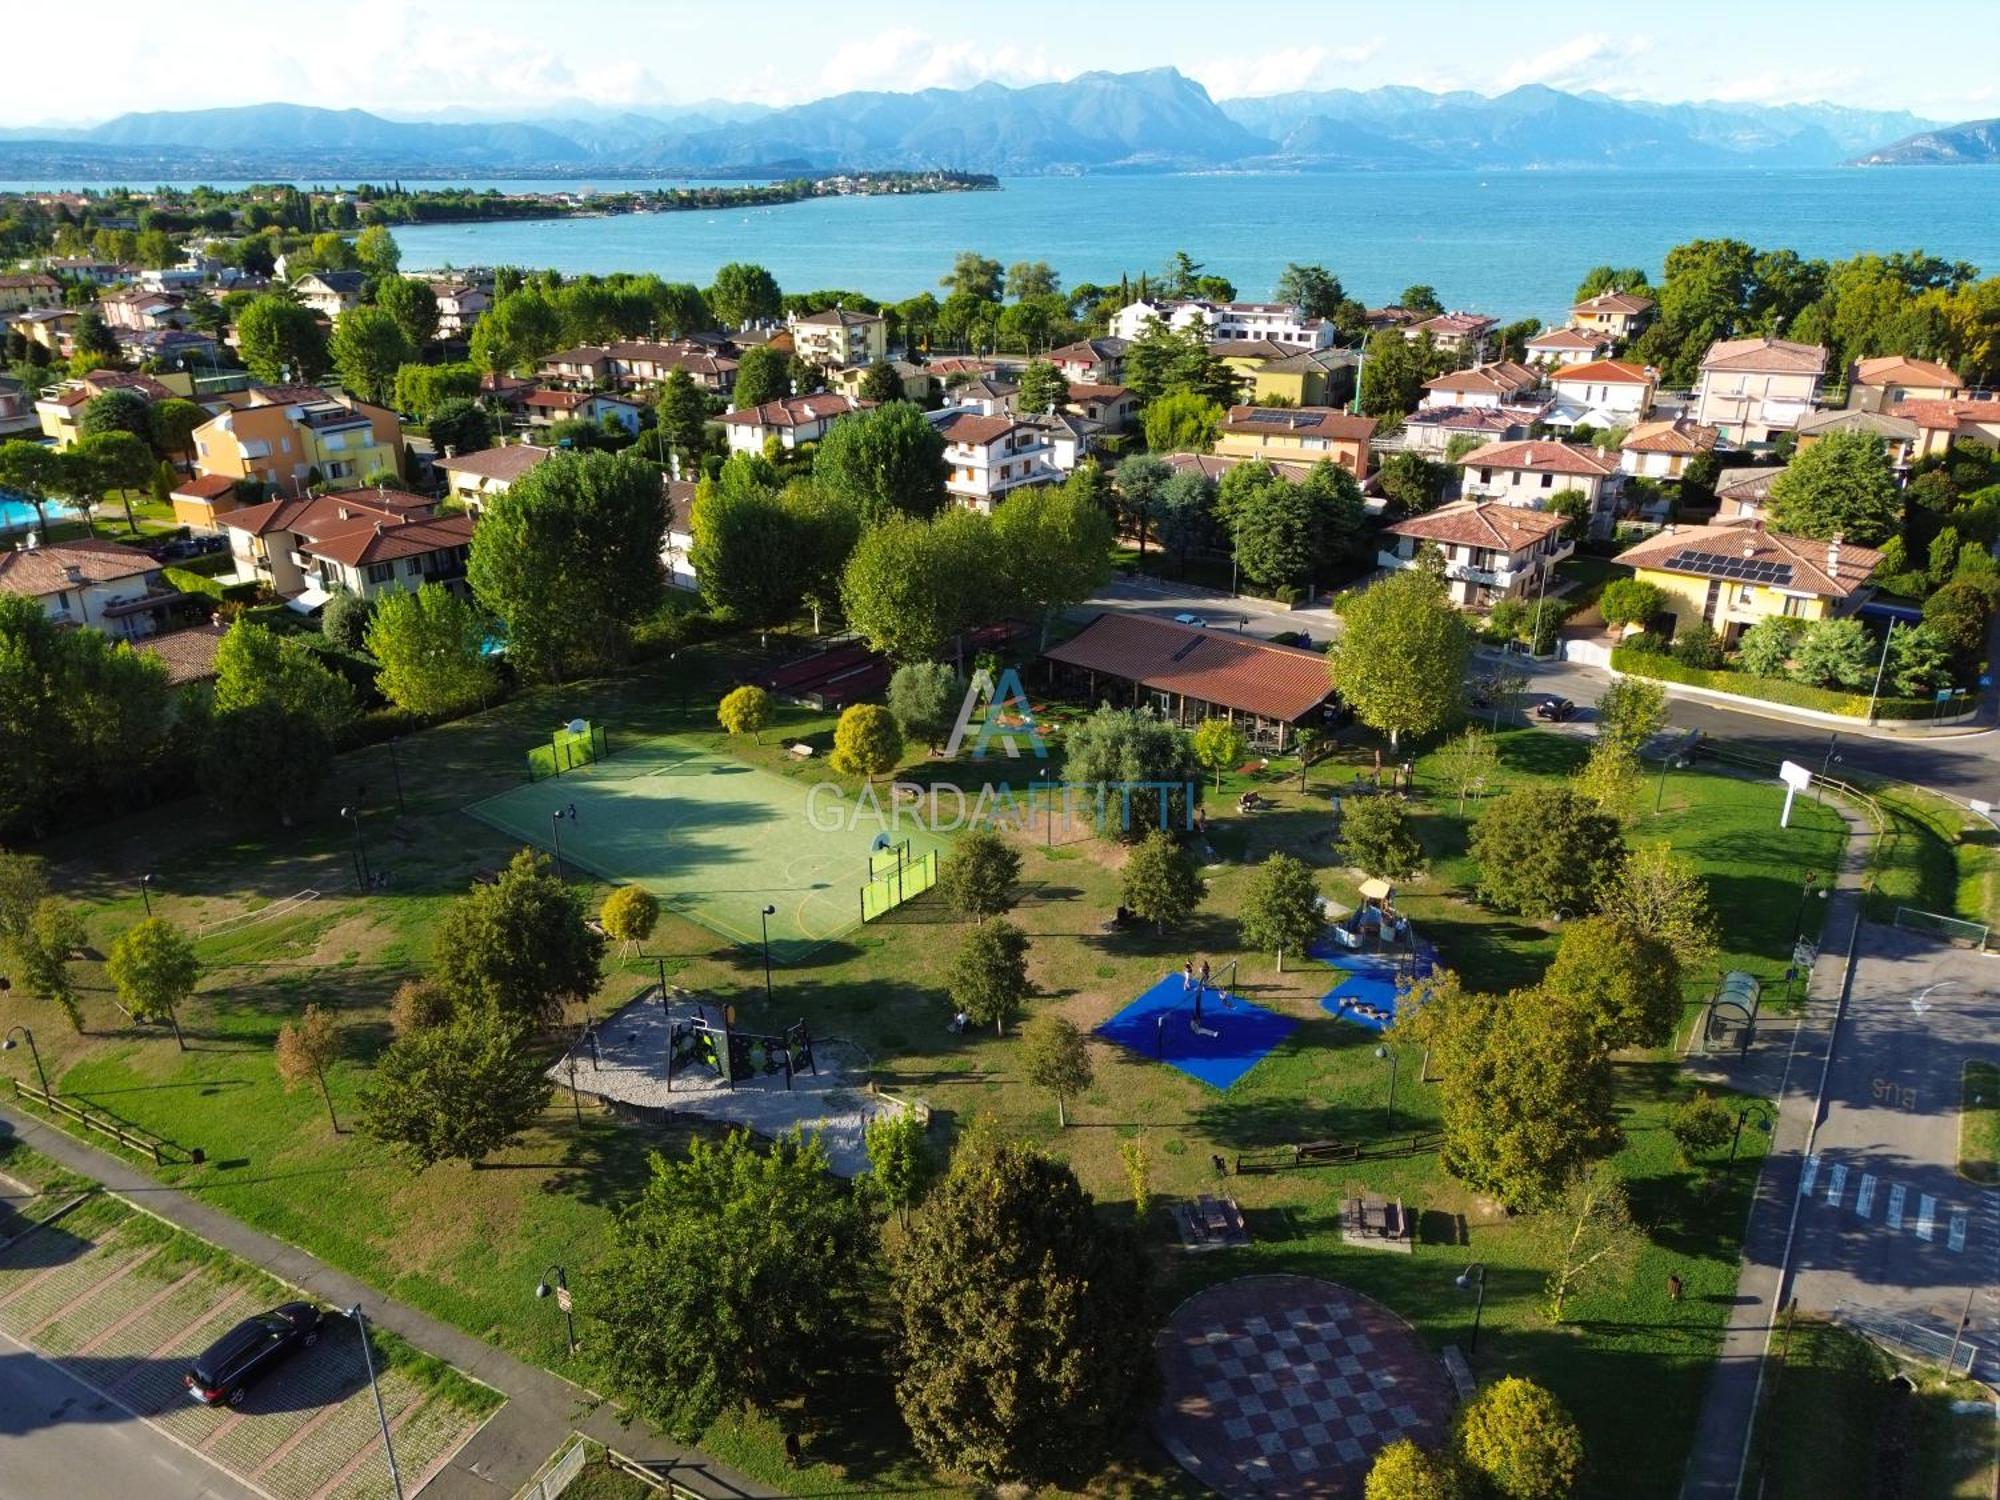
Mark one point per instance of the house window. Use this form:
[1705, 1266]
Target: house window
[1548, 480]
[1745, 594]
[1485, 476]
[380, 572]
[1795, 607]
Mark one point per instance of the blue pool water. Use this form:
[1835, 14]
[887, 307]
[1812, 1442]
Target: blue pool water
[16, 513]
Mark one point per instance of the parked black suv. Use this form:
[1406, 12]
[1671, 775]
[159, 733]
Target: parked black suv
[250, 1351]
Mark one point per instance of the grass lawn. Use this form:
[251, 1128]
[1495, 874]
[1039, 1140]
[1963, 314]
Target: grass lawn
[1936, 856]
[469, 1244]
[1587, 574]
[1834, 1427]
[1979, 1124]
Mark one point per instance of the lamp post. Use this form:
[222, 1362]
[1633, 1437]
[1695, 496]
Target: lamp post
[381, 1416]
[1766, 1121]
[146, 893]
[353, 815]
[764, 917]
[1806, 890]
[1473, 1279]
[34, 1052]
[395, 771]
[674, 661]
[555, 825]
[561, 1290]
[1380, 1054]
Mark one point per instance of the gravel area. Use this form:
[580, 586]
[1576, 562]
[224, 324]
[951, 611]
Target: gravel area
[631, 1067]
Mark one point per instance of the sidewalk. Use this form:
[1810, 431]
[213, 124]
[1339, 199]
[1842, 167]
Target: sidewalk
[1722, 1434]
[542, 1409]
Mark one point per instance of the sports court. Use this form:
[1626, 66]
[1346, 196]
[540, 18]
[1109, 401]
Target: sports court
[1228, 1038]
[716, 840]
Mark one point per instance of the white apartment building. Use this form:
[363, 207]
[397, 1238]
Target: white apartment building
[988, 458]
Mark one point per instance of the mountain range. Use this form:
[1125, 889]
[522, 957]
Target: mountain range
[1156, 120]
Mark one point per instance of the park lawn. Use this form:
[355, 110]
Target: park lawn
[469, 1244]
[1979, 1124]
[1935, 856]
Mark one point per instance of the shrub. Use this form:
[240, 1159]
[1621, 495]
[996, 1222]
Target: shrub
[1698, 646]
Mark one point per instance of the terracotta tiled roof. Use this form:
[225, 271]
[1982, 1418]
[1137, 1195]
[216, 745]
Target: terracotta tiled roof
[1250, 349]
[204, 487]
[1543, 457]
[1944, 416]
[1501, 379]
[1752, 485]
[189, 654]
[1454, 325]
[1570, 338]
[1239, 672]
[1603, 372]
[1084, 390]
[1678, 436]
[1501, 419]
[1613, 302]
[556, 400]
[504, 465]
[1900, 369]
[1765, 356]
[46, 570]
[1797, 563]
[796, 411]
[1482, 523]
[1090, 351]
[1881, 424]
[1300, 421]
[386, 542]
[978, 431]
[1213, 466]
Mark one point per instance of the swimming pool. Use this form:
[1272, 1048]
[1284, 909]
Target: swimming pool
[16, 513]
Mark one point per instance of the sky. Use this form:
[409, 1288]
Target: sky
[517, 58]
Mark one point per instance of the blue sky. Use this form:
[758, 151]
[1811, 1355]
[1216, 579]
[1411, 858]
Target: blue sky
[412, 57]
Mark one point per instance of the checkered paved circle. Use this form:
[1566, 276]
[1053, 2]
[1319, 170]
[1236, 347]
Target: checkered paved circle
[1288, 1386]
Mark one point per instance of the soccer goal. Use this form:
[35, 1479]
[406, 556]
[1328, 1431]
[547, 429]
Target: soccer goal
[896, 883]
[579, 743]
[1952, 929]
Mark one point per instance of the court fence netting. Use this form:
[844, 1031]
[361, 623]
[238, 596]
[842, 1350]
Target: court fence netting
[1951, 929]
[567, 750]
[904, 878]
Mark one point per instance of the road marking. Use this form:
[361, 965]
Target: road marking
[1894, 1217]
[1806, 1177]
[1864, 1196]
[1926, 1216]
[1836, 1183]
[1955, 1237]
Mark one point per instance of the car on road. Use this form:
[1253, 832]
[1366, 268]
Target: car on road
[1554, 710]
[224, 1371]
[1185, 618]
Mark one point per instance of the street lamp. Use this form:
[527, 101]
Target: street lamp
[1766, 1122]
[1806, 890]
[146, 894]
[353, 815]
[381, 1416]
[1380, 1054]
[673, 660]
[556, 823]
[34, 1052]
[764, 917]
[561, 1289]
[1473, 1279]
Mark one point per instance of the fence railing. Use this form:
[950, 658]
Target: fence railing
[1911, 1339]
[1951, 929]
[560, 1474]
[130, 1137]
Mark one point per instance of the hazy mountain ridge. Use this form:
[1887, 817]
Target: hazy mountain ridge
[1976, 141]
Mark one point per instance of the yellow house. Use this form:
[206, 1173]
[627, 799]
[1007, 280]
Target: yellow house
[840, 336]
[1307, 377]
[1939, 424]
[291, 438]
[61, 410]
[1886, 382]
[1300, 435]
[1733, 575]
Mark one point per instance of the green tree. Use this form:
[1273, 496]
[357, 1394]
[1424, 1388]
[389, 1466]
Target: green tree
[911, 586]
[461, 424]
[978, 879]
[423, 389]
[521, 946]
[924, 696]
[1699, 646]
[1143, 766]
[1420, 298]
[376, 250]
[1032, 278]
[1219, 745]
[745, 710]
[866, 741]
[569, 558]
[1182, 422]
[1574, 507]
[973, 275]
[1624, 982]
[1919, 661]
[988, 975]
[898, 1164]
[1400, 659]
[1467, 763]
[884, 462]
[1842, 485]
[1160, 882]
[368, 348]
[1544, 849]
[33, 470]
[1600, 279]
[119, 409]
[275, 714]
[413, 305]
[1023, 1320]
[682, 412]
[428, 646]
[629, 914]
[1043, 388]
[458, 1091]
[95, 346]
[154, 969]
[170, 425]
[746, 550]
[280, 340]
[1631, 711]
[1281, 907]
[880, 382]
[1592, 1242]
[1662, 894]
[1521, 1441]
[1054, 545]
[1285, 534]
[1055, 1057]
[1376, 837]
[743, 294]
[42, 951]
[519, 329]
[1957, 615]
[825, 529]
[1414, 484]
[761, 375]
[1609, 779]
[1314, 290]
[1835, 653]
[112, 463]
[304, 1050]
[344, 621]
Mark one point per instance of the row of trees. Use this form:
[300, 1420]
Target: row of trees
[1283, 535]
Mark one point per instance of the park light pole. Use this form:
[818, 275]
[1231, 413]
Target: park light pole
[381, 1416]
[353, 815]
[561, 1290]
[1473, 1279]
[555, 824]
[34, 1052]
[395, 771]
[1766, 1122]
[1806, 889]
[146, 893]
[765, 916]
[1380, 1054]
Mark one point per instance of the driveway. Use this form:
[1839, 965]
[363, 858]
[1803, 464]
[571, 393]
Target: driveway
[1887, 1227]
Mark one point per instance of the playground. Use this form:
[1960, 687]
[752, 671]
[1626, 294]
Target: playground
[716, 840]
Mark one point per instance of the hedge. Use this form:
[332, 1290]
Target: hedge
[1770, 689]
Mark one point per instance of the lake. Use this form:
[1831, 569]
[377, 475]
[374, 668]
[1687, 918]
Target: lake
[1509, 243]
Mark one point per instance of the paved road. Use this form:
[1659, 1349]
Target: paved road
[54, 1432]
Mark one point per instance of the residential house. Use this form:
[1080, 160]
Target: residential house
[362, 542]
[1531, 473]
[777, 338]
[677, 555]
[1431, 430]
[1464, 334]
[989, 457]
[116, 589]
[546, 408]
[330, 293]
[189, 654]
[1303, 434]
[643, 364]
[292, 437]
[1212, 466]
[1887, 382]
[1567, 346]
[1662, 450]
[1091, 361]
[1941, 423]
[460, 307]
[840, 336]
[792, 420]
[60, 407]
[1071, 438]
[1733, 575]
[1899, 435]
[1750, 390]
[1284, 323]
[580, 368]
[1603, 393]
[165, 348]
[918, 384]
[200, 502]
[1491, 551]
[472, 479]
[1112, 407]
[1488, 386]
[54, 328]
[1742, 494]
[1247, 356]
[142, 310]
[988, 395]
[1306, 377]
[1131, 321]
[88, 269]
[1379, 318]
[21, 290]
[1622, 315]
[505, 391]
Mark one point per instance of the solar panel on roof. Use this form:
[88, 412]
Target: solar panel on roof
[1719, 565]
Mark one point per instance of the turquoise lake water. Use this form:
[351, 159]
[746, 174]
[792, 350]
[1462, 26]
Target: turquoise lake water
[1512, 244]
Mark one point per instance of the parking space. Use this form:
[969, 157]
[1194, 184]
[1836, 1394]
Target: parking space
[121, 1303]
[1886, 1224]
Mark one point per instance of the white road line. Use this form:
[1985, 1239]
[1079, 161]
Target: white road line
[1864, 1196]
[1926, 1216]
[1807, 1174]
[1894, 1217]
[1836, 1184]
[1955, 1236]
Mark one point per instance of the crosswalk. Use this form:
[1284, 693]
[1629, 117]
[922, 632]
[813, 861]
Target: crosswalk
[1896, 1206]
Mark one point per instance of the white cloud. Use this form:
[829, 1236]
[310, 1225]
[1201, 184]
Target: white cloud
[1593, 60]
[1287, 69]
[903, 58]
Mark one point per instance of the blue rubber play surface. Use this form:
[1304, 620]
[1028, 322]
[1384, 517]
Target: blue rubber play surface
[1367, 979]
[1159, 1025]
